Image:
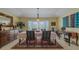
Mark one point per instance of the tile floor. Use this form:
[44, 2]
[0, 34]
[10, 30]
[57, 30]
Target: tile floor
[60, 41]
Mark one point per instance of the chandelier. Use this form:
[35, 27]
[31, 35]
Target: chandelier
[37, 14]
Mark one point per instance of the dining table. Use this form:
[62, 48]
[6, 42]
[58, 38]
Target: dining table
[38, 36]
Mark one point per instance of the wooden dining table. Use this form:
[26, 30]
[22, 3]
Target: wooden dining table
[38, 36]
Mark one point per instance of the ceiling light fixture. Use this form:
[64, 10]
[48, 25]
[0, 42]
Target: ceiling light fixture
[37, 14]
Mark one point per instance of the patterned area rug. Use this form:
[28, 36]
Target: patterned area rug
[38, 46]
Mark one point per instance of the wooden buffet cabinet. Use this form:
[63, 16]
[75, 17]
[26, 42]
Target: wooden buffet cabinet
[4, 38]
[5, 35]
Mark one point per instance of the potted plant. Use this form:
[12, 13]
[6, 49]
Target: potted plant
[63, 28]
[20, 25]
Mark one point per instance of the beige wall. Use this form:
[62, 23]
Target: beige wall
[67, 14]
[26, 19]
[50, 19]
[15, 19]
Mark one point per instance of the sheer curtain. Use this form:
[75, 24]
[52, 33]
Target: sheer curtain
[38, 25]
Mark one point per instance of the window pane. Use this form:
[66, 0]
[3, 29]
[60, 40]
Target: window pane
[37, 25]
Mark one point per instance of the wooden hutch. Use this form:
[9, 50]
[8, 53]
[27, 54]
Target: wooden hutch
[5, 34]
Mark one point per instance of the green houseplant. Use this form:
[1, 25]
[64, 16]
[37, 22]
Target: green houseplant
[20, 25]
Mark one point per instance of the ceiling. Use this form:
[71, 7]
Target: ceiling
[32, 12]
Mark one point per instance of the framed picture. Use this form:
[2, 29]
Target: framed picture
[53, 23]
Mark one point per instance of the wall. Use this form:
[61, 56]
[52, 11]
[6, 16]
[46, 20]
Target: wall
[26, 19]
[50, 19]
[74, 10]
[15, 19]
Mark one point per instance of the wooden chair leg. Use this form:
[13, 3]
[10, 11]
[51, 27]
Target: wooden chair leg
[27, 43]
[19, 41]
[69, 41]
[41, 43]
[77, 42]
[34, 43]
[55, 41]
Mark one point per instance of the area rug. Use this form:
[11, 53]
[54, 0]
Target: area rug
[38, 46]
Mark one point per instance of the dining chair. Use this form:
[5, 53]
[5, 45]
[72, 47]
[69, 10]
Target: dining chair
[67, 37]
[77, 39]
[54, 37]
[30, 40]
[75, 36]
[58, 34]
[45, 38]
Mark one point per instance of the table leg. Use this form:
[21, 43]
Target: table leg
[77, 41]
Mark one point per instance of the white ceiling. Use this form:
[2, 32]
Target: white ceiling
[32, 12]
